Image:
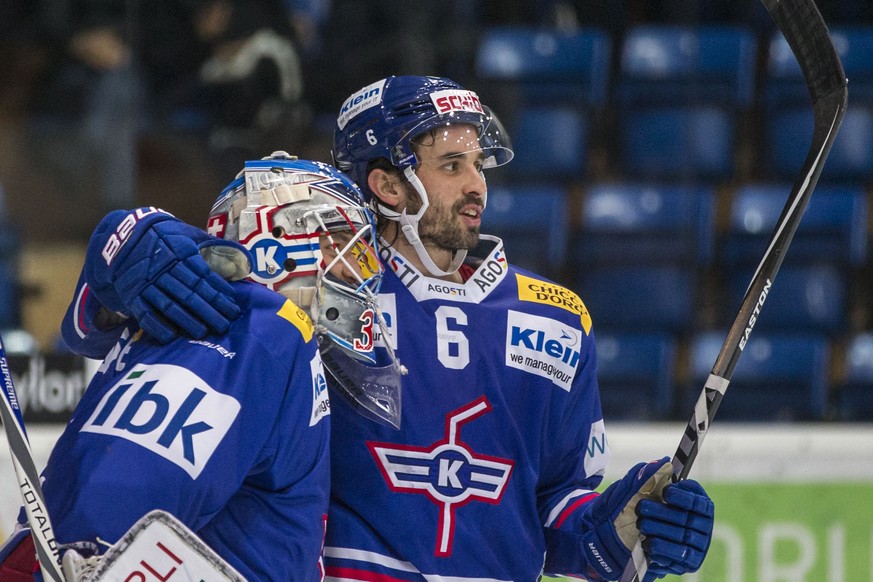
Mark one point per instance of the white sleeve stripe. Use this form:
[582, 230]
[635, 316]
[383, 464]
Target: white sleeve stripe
[556, 511]
[77, 310]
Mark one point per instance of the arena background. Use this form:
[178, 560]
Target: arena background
[121, 103]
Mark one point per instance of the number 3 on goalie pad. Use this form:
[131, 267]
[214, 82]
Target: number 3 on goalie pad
[157, 548]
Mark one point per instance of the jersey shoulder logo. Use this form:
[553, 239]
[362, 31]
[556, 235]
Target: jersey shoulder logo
[297, 317]
[537, 291]
[448, 472]
[168, 410]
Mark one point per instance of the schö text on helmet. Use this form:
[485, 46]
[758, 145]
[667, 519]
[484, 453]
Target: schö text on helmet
[454, 100]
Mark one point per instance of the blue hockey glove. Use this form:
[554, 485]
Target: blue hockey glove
[149, 265]
[676, 521]
[678, 530]
[612, 520]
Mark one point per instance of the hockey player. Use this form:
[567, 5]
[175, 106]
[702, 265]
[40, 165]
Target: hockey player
[229, 433]
[501, 441]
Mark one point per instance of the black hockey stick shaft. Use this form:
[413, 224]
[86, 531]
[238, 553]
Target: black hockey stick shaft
[28, 476]
[806, 33]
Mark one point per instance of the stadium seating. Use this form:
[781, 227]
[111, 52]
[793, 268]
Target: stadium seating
[833, 228]
[546, 84]
[546, 66]
[532, 220]
[854, 395]
[635, 374]
[788, 119]
[550, 143]
[645, 223]
[647, 298]
[779, 377]
[803, 298]
[679, 93]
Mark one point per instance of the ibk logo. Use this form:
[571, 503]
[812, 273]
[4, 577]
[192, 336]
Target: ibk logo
[168, 410]
[448, 472]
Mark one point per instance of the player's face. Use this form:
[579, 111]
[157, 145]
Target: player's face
[450, 171]
[350, 261]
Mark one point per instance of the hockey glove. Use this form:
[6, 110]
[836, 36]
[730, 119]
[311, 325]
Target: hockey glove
[149, 265]
[677, 527]
[678, 530]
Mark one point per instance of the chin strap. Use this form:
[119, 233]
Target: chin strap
[409, 228]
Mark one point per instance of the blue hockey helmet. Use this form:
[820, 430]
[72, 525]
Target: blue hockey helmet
[312, 238]
[381, 120]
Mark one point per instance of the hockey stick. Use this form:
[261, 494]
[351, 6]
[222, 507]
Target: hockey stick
[806, 33]
[28, 477]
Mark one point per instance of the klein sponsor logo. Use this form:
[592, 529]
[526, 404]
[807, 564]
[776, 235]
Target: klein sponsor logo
[122, 232]
[168, 410]
[388, 306]
[542, 346]
[320, 399]
[454, 100]
[364, 99]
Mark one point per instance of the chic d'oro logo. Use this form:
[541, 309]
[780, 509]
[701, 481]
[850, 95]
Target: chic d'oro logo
[537, 291]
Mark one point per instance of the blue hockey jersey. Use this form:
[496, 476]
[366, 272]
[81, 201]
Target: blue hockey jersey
[502, 442]
[229, 434]
[502, 437]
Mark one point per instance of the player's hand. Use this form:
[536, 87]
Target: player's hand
[678, 529]
[149, 265]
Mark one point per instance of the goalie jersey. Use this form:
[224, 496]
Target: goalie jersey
[501, 439]
[229, 434]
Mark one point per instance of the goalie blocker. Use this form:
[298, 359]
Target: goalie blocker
[157, 547]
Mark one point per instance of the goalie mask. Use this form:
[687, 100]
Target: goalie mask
[385, 120]
[312, 239]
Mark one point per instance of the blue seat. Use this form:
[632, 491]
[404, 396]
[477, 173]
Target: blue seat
[635, 375]
[549, 143]
[628, 223]
[854, 394]
[789, 132]
[677, 142]
[679, 93]
[532, 221]
[639, 298]
[691, 64]
[805, 298]
[547, 65]
[833, 229]
[779, 377]
[788, 110]
[784, 83]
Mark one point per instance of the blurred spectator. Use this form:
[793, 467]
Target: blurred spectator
[364, 41]
[90, 90]
[239, 80]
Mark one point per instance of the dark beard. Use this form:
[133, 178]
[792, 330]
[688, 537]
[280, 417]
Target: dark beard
[445, 234]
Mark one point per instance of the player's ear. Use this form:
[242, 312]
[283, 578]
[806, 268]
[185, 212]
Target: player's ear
[385, 186]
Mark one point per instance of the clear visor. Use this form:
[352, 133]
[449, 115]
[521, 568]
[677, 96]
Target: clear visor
[486, 135]
[373, 391]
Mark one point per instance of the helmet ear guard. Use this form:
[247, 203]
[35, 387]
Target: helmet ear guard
[311, 238]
